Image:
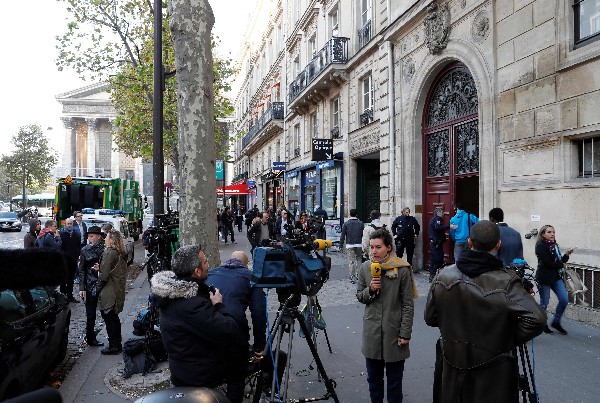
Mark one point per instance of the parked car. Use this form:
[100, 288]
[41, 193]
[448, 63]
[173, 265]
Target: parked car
[34, 318]
[9, 221]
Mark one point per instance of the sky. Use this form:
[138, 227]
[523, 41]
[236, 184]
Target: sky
[31, 79]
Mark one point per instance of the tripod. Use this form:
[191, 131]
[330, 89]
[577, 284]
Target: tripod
[287, 315]
[527, 375]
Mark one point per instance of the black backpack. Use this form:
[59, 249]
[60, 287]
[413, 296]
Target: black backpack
[137, 358]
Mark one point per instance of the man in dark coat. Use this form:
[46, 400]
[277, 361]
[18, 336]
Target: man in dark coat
[89, 265]
[239, 217]
[260, 231]
[232, 279]
[512, 245]
[197, 330]
[483, 313]
[282, 224]
[71, 247]
[79, 225]
[321, 214]
[437, 237]
[405, 229]
[227, 222]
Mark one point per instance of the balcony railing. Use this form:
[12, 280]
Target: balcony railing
[335, 132]
[275, 112]
[334, 51]
[366, 117]
[364, 34]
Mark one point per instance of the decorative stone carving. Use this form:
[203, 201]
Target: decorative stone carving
[365, 143]
[437, 27]
[481, 27]
[409, 70]
[463, 3]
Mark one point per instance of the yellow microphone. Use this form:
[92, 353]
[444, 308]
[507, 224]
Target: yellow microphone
[321, 244]
[376, 269]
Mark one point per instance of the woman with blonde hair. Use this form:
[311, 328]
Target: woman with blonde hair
[111, 288]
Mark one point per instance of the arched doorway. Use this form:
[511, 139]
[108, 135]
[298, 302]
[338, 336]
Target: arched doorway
[450, 147]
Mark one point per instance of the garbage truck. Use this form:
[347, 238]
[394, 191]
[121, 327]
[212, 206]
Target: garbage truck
[122, 196]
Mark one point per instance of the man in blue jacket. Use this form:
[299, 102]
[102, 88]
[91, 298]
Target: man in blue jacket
[512, 245]
[232, 279]
[463, 222]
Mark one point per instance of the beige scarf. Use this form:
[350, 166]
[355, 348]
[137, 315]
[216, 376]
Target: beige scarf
[391, 264]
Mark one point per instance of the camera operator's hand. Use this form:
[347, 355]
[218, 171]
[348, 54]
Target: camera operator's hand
[216, 297]
[375, 285]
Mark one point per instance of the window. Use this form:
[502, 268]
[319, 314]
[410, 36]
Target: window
[334, 22]
[589, 157]
[12, 307]
[269, 161]
[335, 118]
[314, 126]
[312, 47]
[587, 21]
[367, 100]
[365, 15]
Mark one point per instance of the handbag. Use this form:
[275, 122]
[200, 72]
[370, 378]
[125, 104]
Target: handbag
[573, 282]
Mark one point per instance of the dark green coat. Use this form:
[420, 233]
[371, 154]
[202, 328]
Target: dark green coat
[111, 280]
[388, 315]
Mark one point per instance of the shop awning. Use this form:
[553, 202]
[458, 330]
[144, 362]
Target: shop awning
[241, 189]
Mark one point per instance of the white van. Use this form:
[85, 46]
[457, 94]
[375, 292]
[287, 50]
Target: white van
[101, 217]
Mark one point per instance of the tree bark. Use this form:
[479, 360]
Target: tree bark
[191, 22]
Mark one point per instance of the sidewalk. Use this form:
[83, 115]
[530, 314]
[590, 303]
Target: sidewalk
[573, 358]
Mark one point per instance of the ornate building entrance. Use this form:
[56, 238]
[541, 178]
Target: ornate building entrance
[450, 146]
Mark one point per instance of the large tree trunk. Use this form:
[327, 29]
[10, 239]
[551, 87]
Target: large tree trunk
[191, 23]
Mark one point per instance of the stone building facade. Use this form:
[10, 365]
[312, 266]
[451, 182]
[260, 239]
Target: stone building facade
[432, 103]
[89, 148]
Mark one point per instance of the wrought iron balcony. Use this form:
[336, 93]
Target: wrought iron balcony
[364, 34]
[275, 112]
[366, 117]
[335, 132]
[335, 51]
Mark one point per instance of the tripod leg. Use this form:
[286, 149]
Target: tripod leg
[329, 384]
[287, 364]
[324, 330]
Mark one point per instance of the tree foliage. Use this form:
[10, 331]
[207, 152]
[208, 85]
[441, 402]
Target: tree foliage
[113, 40]
[33, 153]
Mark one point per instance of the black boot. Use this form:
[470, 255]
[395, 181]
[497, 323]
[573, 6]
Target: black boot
[547, 330]
[112, 349]
[558, 327]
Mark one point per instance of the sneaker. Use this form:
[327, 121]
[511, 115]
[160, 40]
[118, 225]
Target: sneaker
[559, 328]
[547, 330]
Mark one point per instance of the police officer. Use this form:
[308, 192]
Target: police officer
[405, 229]
[437, 237]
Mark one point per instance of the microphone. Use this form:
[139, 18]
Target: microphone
[531, 233]
[321, 244]
[376, 269]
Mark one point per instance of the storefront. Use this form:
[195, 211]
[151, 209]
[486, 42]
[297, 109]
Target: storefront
[272, 189]
[292, 182]
[331, 187]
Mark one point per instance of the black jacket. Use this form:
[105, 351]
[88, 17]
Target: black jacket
[406, 228]
[483, 313]
[277, 228]
[548, 270]
[437, 229]
[254, 233]
[31, 236]
[71, 244]
[196, 333]
[90, 255]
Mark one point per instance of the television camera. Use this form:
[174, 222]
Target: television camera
[531, 233]
[525, 272]
[161, 240]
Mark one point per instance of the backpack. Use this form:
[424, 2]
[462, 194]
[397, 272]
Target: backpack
[137, 358]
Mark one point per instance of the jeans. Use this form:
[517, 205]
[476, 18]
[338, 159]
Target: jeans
[354, 262]
[228, 230]
[91, 302]
[393, 371]
[561, 293]
[458, 248]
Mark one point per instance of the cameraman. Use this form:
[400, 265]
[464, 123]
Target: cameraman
[262, 230]
[232, 279]
[483, 313]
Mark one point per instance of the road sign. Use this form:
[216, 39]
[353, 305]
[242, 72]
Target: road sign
[322, 149]
[219, 165]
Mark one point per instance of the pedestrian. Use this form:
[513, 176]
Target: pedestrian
[232, 279]
[322, 216]
[369, 229]
[111, 289]
[463, 222]
[196, 328]
[79, 225]
[405, 229]
[351, 240]
[548, 275]
[302, 222]
[49, 236]
[261, 231]
[71, 247]
[227, 223]
[282, 224]
[89, 265]
[239, 217]
[483, 313]
[35, 226]
[388, 317]
[437, 237]
[106, 228]
[511, 247]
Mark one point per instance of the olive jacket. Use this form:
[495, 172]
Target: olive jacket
[388, 315]
[111, 280]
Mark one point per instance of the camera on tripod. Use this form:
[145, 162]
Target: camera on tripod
[525, 272]
[161, 240]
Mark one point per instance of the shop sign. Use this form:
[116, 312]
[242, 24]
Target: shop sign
[310, 177]
[325, 165]
[278, 166]
[219, 166]
[322, 149]
[291, 174]
[251, 183]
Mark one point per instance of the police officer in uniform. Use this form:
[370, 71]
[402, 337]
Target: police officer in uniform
[437, 237]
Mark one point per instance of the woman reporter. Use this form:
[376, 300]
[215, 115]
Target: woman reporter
[388, 317]
[111, 289]
[549, 274]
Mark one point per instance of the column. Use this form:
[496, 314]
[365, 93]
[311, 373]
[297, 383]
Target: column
[91, 147]
[115, 156]
[68, 156]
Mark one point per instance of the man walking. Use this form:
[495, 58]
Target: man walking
[351, 239]
[261, 230]
[232, 279]
[483, 313]
[239, 217]
[227, 222]
[196, 328]
[369, 229]
[463, 222]
[405, 229]
[71, 247]
[512, 245]
[437, 237]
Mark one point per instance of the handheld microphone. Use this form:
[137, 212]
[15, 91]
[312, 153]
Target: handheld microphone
[376, 269]
[321, 244]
